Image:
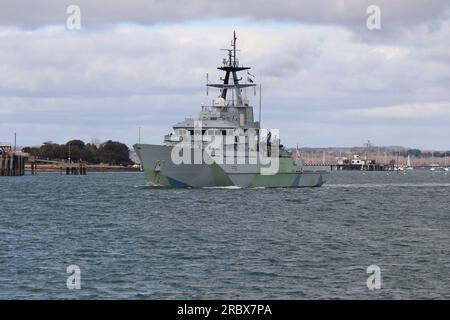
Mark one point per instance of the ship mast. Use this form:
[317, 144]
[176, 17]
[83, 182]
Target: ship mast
[234, 46]
[231, 68]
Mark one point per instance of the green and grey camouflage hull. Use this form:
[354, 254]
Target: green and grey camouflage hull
[161, 171]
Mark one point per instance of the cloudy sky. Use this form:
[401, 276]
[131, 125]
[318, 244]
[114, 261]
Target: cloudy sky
[328, 80]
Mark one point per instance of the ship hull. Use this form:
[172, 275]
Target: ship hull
[162, 172]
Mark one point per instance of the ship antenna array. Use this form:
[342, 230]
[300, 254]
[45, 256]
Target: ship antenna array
[232, 51]
[234, 47]
[231, 80]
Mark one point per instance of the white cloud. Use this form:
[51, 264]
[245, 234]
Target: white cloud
[421, 111]
[336, 12]
[57, 84]
[392, 52]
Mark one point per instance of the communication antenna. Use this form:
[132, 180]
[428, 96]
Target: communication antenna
[260, 100]
[259, 116]
[232, 52]
[234, 46]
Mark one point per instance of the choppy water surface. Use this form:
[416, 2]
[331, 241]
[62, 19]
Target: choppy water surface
[135, 242]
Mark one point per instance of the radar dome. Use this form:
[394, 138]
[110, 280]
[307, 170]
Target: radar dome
[219, 102]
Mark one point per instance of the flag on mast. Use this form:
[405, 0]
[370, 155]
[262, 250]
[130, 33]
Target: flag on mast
[250, 77]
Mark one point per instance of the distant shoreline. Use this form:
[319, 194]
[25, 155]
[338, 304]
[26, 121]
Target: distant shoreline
[90, 168]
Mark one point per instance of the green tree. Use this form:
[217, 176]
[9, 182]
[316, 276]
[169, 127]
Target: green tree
[414, 152]
[114, 153]
[110, 152]
[90, 153]
[49, 150]
[76, 143]
[33, 151]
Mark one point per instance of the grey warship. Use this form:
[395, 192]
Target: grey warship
[225, 146]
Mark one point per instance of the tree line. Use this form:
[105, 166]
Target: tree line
[418, 153]
[109, 152]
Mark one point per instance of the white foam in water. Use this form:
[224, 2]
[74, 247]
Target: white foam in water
[382, 185]
[223, 187]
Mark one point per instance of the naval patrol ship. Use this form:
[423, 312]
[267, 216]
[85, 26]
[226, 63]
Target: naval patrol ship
[225, 146]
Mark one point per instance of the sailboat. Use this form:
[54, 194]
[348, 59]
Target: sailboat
[446, 168]
[434, 166]
[408, 164]
[438, 168]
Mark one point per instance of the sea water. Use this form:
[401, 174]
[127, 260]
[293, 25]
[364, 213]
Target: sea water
[136, 242]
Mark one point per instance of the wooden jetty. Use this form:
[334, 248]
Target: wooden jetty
[67, 167]
[12, 163]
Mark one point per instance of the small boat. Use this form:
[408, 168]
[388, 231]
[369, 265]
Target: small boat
[439, 168]
[408, 164]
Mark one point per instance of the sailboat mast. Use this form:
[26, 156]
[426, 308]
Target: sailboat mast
[398, 159]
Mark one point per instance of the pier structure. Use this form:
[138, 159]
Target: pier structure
[336, 166]
[12, 163]
[359, 163]
[74, 168]
[67, 167]
[366, 167]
